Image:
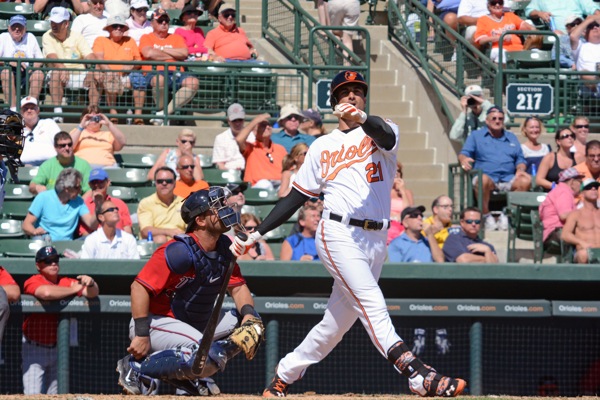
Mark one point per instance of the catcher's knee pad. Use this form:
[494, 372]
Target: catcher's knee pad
[219, 354]
[168, 364]
[405, 361]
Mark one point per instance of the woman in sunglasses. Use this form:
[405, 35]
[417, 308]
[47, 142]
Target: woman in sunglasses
[169, 157]
[553, 163]
[260, 250]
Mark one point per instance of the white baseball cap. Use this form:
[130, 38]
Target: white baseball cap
[235, 111]
[139, 4]
[59, 14]
[28, 100]
[475, 90]
[289, 110]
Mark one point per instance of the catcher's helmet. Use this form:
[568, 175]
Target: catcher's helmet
[11, 134]
[214, 198]
[342, 79]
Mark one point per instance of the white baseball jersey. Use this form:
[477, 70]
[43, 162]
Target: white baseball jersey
[354, 174]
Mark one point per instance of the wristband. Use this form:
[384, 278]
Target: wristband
[80, 127]
[247, 309]
[142, 326]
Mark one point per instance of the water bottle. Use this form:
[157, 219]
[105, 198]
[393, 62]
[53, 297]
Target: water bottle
[150, 236]
[533, 170]
[129, 114]
[552, 24]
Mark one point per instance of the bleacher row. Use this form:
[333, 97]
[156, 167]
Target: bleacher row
[130, 184]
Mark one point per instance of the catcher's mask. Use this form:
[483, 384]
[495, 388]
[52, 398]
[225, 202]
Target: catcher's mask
[214, 198]
[11, 139]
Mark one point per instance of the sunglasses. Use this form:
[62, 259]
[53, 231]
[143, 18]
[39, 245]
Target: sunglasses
[415, 215]
[117, 27]
[163, 21]
[496, 3]
[98, 183]
[593, 156]
[270, 157]
[587, 126]
[236, 121]
[144, 10]
[50, 260]
[591, 187]
[566, 136]
[303, 154]
[187, 141]
[63, 145]
[190, 166]
[497, 119]
[228, 15]
[472, 221]
[110, 209]
[249, 228]
[165, 181]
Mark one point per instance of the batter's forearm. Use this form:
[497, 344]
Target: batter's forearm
[381, 133]
[283, 210]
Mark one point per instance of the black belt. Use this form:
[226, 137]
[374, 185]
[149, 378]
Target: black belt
[46, 346]
[366, 224]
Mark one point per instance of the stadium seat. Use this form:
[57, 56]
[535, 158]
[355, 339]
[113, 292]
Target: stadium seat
[144, 191]
[206, 161]
[38, 28]
[221, 177]
[518, 211]
[146, 248]
[20, 247]
[7, 10]
[260, 196]
[16, 191]
[280, 233]
[257, 91]
[136, 160]
[63, 245]
[128, 176]
[560, 249]
[275, 249]
[3, 25]
[11, 228]
[132, 207]
[127, 194]
[15, 209]
[26, 174]
[529, 59]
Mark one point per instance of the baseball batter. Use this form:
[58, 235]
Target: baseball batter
[354, 167]
[172, 299]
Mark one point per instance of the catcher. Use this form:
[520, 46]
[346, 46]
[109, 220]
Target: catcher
[172, 299]
[11, 147]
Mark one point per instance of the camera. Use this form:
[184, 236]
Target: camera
[471, 101]
[96, 118]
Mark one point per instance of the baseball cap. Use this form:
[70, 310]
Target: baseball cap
[28, 100]
[234, 187]
[226, 6]
[139, 4]
[98, 174]
[572, 18]
[190, 8]
[589, 183]
[474, 90]
[569, 173]
[494, 109]
[116, 20]
[158, 13]
[236, 111]
[289, 110]
[313, 115]
[59, 14]
[17, 19]
[47, 252]
[410, 210]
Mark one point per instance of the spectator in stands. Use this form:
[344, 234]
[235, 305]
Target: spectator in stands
[45, 7]
[62, 43]
[469, 12]
[228, 42]
[581, 128]
[344, 13]
[559, 203]
[264, 158]
[441, 220]
[588, 56]
[95, 145]
[40, 329]
[260, 251]
[289, 135]
[237, 193]
[590, 168]
[533, 151]
[560, 10]
[138, 20]
[50, 169]
[39, 134]
[18, 43]
[323, 12]
[447, 10]
[226, 154]
[401, 197]
[177, 5]
[582, 224]
[412, 245]
[119, 47]
[497, 152]
[91, 24]
[474, 108]
[159, 212]
[57, 212]
[553, 163]
[466, 246]
[313, 123]
[490, 28]
[100, 182]
[108, 241]
[291, 164]
[192, 34]
[301, 246]
[9, 293]
[160, 45]
[186, 184]
[185, 145]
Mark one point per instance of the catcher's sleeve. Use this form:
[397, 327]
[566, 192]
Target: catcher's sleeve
[283, 210]
[381, 133]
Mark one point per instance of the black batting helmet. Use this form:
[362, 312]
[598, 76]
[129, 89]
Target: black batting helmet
[342, 79]
[214, 198]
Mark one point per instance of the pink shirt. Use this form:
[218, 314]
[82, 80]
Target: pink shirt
[194, 40]
[559, 201]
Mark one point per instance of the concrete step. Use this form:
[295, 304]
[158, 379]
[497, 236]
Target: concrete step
[422, 171]
[408, 155]
[426, 190]
[388, 104]
[383, 77]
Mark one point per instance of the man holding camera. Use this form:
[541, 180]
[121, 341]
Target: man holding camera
[472, 117]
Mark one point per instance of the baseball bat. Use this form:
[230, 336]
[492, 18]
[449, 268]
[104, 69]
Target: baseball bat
[209, 329]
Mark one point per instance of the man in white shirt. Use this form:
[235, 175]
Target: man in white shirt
[109, 242]
[91, 25]
[469, 12]
[138, 21]
[18, 43]
[39, 134]
[226, 153]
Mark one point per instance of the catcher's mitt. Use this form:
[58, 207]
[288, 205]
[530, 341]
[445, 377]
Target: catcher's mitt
[249, 336]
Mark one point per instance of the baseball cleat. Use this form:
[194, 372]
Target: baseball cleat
[277, 388]
[128, 378]
[436, 385]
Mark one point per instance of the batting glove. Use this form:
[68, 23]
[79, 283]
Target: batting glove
[350, 112]
[240, 247]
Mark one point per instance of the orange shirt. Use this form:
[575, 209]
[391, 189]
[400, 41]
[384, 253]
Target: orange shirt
[172, 41]
[127, 50]
[487, 27]
[182, 189]
[232, 44]
[258, 162]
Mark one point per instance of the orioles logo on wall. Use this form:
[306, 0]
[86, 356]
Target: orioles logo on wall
[350, 75]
